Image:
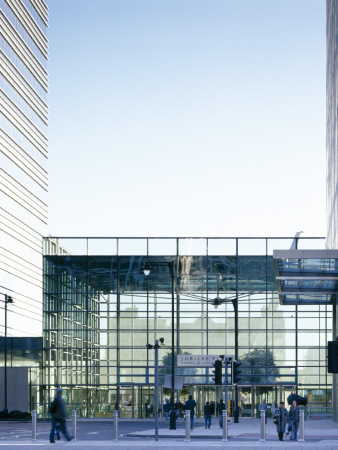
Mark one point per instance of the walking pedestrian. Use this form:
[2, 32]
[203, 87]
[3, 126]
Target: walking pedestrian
[264, 407]
[58, 411]
[294, 420]
[220, 409]
[281, 419]
[207, 415]
[190, 405]
[166, 409]
[147, 408]
[274, 408]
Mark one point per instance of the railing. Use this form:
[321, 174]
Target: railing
[316, 411]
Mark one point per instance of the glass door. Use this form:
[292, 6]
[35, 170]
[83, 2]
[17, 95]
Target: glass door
[203, 394]
[245, 401]
[267, 393]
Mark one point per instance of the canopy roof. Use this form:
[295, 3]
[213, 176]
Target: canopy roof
[306, 277]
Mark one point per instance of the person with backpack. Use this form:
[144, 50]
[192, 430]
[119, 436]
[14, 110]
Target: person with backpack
[57, 410]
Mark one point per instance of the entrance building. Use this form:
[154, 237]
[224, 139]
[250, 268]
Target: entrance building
[101, 310]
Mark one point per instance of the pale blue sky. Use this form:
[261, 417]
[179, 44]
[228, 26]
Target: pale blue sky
[187, 117]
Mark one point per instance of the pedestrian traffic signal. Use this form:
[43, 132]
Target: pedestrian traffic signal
[235, 371]
[332, 354]
[218, 372]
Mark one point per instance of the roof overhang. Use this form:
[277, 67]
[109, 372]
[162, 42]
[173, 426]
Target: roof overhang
[306, 277]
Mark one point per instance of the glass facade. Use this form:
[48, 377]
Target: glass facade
[23, 156]
[100, 311]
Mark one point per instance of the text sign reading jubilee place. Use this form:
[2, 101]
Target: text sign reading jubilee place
[197, 360]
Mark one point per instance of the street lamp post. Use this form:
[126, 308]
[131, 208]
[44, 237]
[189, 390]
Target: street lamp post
[146, 270]
[156, 347]
[8, 299]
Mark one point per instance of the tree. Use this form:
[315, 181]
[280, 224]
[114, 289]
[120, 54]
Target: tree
[259, 367]
[165, 368]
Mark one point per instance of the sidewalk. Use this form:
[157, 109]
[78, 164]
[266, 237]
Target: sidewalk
[245, 434]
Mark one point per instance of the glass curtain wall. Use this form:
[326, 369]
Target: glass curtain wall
[100, 311]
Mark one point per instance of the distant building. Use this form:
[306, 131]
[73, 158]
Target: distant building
[23, 158]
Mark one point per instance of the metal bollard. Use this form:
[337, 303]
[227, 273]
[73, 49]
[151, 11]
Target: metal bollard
[187, 426]
[301, 426]
[74, 425]
[116, 426]
[225, 425]
[263, 430]
[34, 426]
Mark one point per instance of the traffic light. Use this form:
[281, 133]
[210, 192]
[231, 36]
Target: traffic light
[218, 372]
[332, 360]
[235, 371]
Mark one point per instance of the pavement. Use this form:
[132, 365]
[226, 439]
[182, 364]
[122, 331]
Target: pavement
[319, 434]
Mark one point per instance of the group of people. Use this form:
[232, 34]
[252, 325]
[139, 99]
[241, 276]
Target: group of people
[219, 412]
[208, 411]
[286, 421]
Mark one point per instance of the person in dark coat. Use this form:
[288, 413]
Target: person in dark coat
[281, 417]
[166, 409]
[294, 420]
[207, 414]
[59, 416]
[220, 409]
[190, 405]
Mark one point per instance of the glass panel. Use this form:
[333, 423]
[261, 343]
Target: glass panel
[251, 246]
[72, 246]
[279, 244]
[311, 244]
[162, 246]
[192, 247]
[132, 246]
[102, 246]
[221, 247]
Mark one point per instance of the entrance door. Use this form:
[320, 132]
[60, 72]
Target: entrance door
[145, 403]
[245, 401]
[203, 394]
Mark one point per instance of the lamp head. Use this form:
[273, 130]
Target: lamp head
[8, 299]
[216, 302]
[147, 269]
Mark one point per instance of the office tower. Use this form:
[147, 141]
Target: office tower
[23, 158]
[331, 123]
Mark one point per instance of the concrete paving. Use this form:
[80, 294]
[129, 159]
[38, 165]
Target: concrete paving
[319, 434]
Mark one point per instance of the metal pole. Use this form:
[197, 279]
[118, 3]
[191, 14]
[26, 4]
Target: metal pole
[187, 426]
[236, 327]
[263, 430]
[156, 390]
[116, 426]
[225, 425]
[301, 426]
[74, 425]
[34, 426]
[172, 396]
[6, 409]
[226, 385]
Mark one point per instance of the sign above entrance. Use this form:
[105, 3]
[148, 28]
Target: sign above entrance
[198, 360]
